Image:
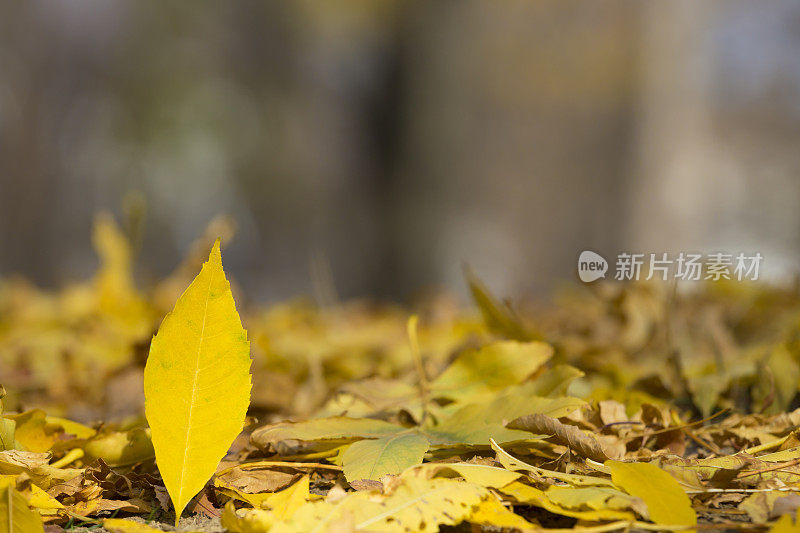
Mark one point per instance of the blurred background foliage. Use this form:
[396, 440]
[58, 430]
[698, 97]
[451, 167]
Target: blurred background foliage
[383, 144]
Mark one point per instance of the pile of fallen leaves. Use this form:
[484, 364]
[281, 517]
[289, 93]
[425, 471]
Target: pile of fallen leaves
[621, 406]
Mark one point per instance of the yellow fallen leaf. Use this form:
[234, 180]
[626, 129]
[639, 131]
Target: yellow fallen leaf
[491, 512]
[235, 494]
[72, 428]
[35, 496]
[7, 428]
[250, 521]
[337, 427]
[514, 464]
[477, 474]
[39, 499]
[37, 432]
[45, 476]
[491, 367]
[15, 515]
[597, 498]
[287, 501]
[284, 502]
[784, 525]
[525, 494]
[374, 458]
[122, 525]
[120, 448]
[666, 501]
[759, 505]
[197, 383]
[478, 423]
[16, 461]
[33, 432]
[416, 504]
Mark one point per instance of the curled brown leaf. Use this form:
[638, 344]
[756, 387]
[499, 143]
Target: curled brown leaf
[563, 434]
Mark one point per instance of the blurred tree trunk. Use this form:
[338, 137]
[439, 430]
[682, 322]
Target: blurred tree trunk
[517, 139]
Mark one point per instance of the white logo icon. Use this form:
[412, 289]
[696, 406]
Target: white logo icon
[591, 266]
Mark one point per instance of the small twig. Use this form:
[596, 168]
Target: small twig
[707, 445]
[600, 467]
[716, 491]
[413, 340]
[628, 524]
[76, 516]
[778, 466]
[623, 423]
[684, 426]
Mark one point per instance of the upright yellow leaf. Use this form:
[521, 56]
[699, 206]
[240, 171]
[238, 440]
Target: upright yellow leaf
[15, 515]
[197, 383]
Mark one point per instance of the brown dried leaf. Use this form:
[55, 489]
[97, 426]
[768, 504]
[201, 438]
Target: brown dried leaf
[262, 480]
[563, 434]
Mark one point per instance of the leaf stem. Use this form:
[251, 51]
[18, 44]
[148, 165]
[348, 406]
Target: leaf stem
[424, 387]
